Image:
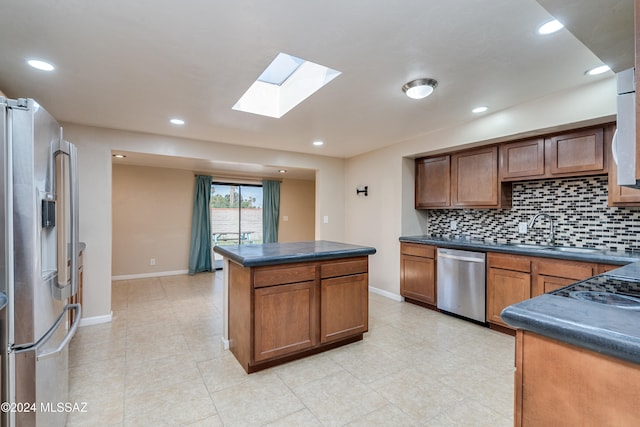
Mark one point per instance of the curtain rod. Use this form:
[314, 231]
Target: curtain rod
[237, 179]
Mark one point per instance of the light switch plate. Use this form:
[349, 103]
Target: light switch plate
[522, 227]
[453, 225]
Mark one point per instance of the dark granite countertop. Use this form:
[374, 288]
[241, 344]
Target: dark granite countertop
[285, 253]
[601, 328]
[601, 256]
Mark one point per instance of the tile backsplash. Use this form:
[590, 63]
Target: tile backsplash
[578, 206]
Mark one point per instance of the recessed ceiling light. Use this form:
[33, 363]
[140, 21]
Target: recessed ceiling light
[318, 143]
[598, 70]
[177, 121]
[419, 88]
[282, 171]
[40, 65]
[550, 27]
[119, 156]
[285, 83]
[481, 109]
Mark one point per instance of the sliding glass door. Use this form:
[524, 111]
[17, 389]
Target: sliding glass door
[236, 215]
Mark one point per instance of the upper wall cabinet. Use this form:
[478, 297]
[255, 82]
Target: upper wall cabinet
[522, 160]
[433, 182]
[576, 153]
[474, 178]
[581, 152]
[465, 179]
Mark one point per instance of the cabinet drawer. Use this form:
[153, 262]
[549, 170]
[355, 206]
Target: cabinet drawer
[565, 269]
[344, 268]
[269, 276]
[417, 249]
[509, 262]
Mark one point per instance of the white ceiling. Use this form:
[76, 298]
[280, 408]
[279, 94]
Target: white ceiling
[132, 65]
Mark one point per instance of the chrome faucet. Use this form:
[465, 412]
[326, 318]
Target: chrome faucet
[551, 239]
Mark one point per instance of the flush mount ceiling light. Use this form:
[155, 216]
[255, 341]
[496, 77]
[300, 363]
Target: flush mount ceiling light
[285, 83]
[176, 121]
[597, 70]
[40, 65]
[419, 88]
[550, 27]
[318, 143]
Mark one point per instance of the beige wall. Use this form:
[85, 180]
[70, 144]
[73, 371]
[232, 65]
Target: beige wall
[151, 211]
[94, 153]
[297, 203]
[388, 212]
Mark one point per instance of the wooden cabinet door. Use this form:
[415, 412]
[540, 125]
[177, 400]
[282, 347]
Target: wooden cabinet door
[418, 278]
[285, 319]
[523, 159]
[504, 288]
[433, 183]
[577, 152]
[552, 274]
[343, 307]
[546, 284]
[474, 178]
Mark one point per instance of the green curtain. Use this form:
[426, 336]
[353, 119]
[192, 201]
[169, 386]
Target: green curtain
[270, 210]
[200, 250]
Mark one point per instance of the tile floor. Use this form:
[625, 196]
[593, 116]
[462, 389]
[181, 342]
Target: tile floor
[161, 362]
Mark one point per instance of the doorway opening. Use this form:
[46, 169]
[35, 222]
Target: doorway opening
[236, 215]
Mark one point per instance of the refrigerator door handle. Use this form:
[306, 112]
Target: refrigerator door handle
[68, 253]
[43, 340]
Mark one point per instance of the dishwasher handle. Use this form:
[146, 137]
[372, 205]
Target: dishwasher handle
[460, 258]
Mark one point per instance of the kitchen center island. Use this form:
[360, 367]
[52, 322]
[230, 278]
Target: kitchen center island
[285, 301]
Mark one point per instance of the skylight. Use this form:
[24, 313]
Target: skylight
[285, 83]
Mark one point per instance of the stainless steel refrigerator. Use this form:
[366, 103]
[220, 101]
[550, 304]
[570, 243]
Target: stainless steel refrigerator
[38, 264]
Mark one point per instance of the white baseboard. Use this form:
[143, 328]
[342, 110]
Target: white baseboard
[96, 320]
[147, 275]
[387, 294]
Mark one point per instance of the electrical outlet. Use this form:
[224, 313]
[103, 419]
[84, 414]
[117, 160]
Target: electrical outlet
[522, 227]
[453, 225]
[285, 218]
[326, 219]
[152, 261]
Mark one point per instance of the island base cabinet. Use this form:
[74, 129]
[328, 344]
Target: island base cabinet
[279, 313]
[344, 307]
[285, 319]
[558, 384]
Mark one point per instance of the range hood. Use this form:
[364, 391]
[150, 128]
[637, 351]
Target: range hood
[605, 27]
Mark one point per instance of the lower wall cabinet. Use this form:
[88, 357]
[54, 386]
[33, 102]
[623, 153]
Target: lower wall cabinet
[552, 274]
[508, 282]
[514, 278]
[418, 273]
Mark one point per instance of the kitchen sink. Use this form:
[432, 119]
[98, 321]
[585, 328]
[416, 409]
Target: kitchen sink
[529, 246]
[574, 249]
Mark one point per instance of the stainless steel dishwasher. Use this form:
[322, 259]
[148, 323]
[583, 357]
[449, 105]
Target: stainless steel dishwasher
[461, 283]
